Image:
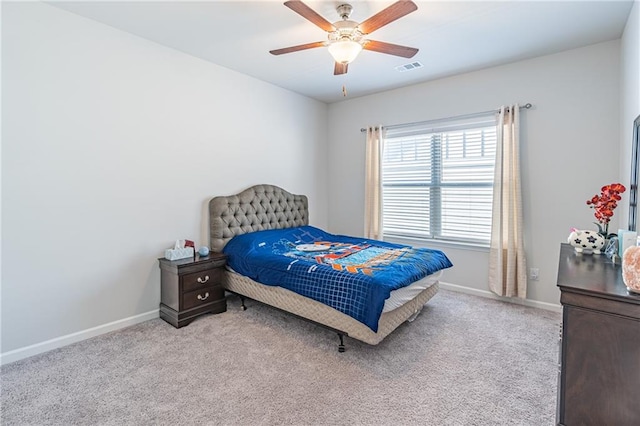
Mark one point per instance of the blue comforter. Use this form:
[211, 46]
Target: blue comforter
[353, 275]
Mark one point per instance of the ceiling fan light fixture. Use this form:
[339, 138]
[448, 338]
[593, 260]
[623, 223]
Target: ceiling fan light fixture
[346, 38]
[344, 51]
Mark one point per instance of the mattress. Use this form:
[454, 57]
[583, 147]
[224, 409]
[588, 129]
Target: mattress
[402, 295]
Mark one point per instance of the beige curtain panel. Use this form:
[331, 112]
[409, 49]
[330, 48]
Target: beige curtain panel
[507, 263]
[373, 184]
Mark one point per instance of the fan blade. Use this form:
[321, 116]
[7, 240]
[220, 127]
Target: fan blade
[390, 49]
[340, 68]
[309, 14]
[386, 16]
[298, 48]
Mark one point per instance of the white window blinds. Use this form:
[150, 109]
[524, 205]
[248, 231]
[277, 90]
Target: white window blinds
[437, 179]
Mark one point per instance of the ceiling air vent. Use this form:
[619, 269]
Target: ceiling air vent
[409, 67]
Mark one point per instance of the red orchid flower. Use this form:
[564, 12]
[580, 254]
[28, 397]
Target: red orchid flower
[604, 205]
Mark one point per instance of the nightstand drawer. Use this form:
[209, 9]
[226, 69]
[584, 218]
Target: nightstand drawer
[202, 296]
[199, 280]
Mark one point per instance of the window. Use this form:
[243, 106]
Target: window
[437, 180]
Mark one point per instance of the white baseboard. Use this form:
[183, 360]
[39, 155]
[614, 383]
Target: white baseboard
[488, 294]
[58, 342]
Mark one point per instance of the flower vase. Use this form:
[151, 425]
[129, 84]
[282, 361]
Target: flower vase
[610, 248]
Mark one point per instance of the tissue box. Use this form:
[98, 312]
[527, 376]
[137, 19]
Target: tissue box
[179, 253]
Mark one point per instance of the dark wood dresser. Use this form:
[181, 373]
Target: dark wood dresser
[190, 288]
[599, 377]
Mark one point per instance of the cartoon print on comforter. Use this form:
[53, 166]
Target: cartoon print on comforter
[353, 275]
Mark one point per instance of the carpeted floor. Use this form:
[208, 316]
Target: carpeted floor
[465, 360]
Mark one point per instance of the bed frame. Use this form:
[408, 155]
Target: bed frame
[264, 207]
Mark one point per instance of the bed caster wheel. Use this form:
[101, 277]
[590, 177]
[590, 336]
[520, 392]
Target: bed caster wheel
[340, 348]
[243, 308]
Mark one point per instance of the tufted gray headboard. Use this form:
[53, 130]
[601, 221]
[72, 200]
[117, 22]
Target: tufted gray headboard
[255, 209]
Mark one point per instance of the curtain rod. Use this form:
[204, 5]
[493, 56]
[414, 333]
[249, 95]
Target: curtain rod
[525, 106]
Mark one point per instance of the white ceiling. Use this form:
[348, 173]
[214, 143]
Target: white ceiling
[453, 36]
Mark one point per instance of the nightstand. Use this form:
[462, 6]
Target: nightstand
[190, 288]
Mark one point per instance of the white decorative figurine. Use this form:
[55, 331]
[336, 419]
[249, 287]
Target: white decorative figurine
[587, 241]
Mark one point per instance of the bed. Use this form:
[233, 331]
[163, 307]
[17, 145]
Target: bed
[268, 208]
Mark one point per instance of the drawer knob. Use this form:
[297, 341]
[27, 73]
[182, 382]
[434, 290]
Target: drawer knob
[205, 297]
[201, 281]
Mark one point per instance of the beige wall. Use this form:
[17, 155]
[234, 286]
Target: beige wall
[569, 148]
[111, 148]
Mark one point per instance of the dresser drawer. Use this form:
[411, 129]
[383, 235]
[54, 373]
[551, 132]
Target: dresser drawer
[202, 296]
[199, 280]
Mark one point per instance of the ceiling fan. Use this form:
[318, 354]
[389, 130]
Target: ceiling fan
[346, 38]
